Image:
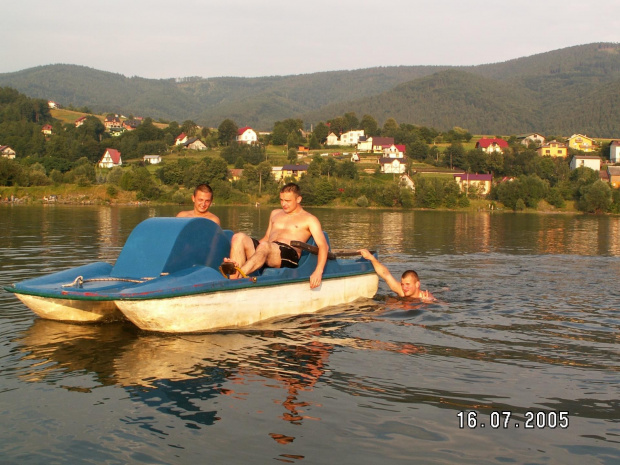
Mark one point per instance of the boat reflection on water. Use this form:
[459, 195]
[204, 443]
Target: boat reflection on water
[183, 375]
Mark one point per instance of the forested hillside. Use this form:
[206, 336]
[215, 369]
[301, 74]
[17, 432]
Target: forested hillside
[558, 92]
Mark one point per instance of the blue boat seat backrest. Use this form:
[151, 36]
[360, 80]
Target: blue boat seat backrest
[167, 245]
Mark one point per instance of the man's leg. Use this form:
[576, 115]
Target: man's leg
[266, 253]
[241, 248]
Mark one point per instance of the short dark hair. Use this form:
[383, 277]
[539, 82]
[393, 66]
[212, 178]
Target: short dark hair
[203, 188]
[411, 273]
[291, 187]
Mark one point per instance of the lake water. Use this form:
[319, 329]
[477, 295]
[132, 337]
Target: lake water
[523, 341]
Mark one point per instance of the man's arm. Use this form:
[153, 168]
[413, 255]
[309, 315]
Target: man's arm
[383, 272]
[265, 238]
[317, 233]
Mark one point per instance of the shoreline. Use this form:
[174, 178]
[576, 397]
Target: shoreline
[73, 195]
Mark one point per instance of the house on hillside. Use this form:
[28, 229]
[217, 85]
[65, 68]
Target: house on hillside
[235, 174]
[351, 137]
[406, 181]
[110, 159]
[492, 145]
[152, 159]
[303, 151]
[53, 105]
[553, 149]
[614, 151]
[588, 161]
[581, 142]
[393, 165]
[613, 172]
[276, 172]
[47, 129]
[378, 144]
[394, 151]
[195, 144]
[80, 121]
[181, 139]
[247, 135]
[332, 139]
[364, 144]
[534, 138]
[481, 182]
[293, 171]
[7, 152]
[131, 124]
[112, 122]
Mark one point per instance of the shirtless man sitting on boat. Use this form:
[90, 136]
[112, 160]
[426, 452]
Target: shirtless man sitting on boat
[409, 285]
[202, 198]
[290, 223]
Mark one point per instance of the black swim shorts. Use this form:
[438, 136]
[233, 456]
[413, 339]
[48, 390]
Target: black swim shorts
[288, 255]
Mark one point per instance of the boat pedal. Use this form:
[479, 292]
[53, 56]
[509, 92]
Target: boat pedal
[228, 268]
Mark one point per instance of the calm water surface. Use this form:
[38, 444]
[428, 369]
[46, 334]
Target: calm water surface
[527, 322]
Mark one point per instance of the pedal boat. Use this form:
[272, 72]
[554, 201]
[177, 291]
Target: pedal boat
[167, 279]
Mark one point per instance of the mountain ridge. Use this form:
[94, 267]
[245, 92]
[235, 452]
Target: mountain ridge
[542, 93]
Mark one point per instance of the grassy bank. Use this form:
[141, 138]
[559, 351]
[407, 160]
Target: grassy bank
[72, 194]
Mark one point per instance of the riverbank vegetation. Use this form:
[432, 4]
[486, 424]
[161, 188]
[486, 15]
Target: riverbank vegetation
[63, 165]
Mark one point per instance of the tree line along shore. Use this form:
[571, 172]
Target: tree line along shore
[62, 166]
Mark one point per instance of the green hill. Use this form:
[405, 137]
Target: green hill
[561, 92]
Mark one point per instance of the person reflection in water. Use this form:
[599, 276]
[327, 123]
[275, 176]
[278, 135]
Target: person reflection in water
[409, 285]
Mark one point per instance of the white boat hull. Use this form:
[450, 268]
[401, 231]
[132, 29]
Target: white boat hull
[77, 311]
[243, 307]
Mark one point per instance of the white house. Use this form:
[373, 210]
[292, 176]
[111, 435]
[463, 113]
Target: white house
[588, 161]
[394, 151]
[7, 152]
[332, 139]
[181, 139]
[364, 144]
[110, 158]
[535, 138]
[247, 135]
[614, 151]
[152, 159]
[392, 165]
[351, 137]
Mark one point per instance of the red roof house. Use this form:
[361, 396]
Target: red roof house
[492, 145]
[110, 158]
[181, 139]
[247, 135]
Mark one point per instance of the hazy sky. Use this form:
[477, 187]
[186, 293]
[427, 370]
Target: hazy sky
[163, 39]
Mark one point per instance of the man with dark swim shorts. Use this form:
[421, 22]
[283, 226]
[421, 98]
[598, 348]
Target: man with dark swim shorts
[290, 223]
[288, 255]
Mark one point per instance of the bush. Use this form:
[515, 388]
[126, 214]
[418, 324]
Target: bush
[595, 198]
[111, 190]
[555, 197]
[520, 205]
[362, 201]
